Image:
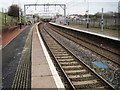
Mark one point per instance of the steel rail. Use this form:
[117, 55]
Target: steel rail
[50, 43]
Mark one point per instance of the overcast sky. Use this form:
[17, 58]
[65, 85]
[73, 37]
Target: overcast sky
[73, 6]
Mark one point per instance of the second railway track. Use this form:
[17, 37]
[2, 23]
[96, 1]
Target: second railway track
[110, 52]
[77, 73]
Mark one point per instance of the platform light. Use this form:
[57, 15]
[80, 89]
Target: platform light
[87, 12]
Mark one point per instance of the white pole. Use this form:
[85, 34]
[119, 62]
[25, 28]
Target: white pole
[87, 14]
[102, 21]
[24, 15]
[20, 19]
[2, 10]
[64, 14]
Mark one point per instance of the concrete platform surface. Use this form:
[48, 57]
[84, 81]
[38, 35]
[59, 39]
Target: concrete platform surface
[91, 31]
[41, 74]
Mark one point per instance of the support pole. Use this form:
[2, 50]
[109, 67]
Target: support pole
[65, 14]
[44, 7]
[20, 13]
[102, 21]
[87, 14]
[24, 15]
[87, 19]
[63, 6]
[5, 16]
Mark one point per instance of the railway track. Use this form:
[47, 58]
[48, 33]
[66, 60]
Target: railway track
[106, 51]
[77, 72]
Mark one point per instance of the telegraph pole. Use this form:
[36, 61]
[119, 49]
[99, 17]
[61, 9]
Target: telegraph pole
[102, 21]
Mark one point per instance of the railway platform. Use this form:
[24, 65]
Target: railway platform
[43, 72]
[8, 36]
[107, 34]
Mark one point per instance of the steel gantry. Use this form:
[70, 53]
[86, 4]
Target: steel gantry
[63, 6]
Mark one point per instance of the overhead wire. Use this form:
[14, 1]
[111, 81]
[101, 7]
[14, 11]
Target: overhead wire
[13, 1]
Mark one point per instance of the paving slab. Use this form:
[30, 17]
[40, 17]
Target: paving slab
[43, 82]
[41, 74]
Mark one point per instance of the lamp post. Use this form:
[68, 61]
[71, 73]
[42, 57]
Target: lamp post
[64, 14]
[87, 12]
[114, 17]
[102, 21]
[20, 13]
[5, 16]
[87, 19]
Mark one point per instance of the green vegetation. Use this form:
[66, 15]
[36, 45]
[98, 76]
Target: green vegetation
[9, 21]
[14, 10]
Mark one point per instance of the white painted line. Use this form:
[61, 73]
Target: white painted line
[56, 77]
[101, 35]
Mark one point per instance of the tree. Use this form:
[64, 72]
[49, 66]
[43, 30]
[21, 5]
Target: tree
[98, 15]
[13, 10]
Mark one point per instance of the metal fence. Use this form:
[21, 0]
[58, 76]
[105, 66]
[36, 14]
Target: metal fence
[108, 23]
